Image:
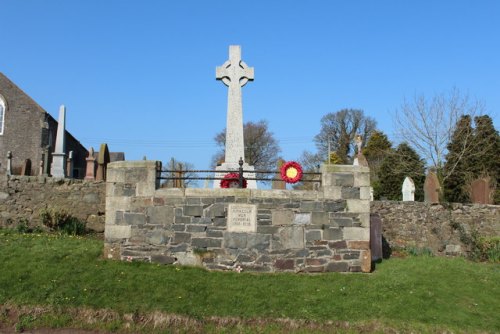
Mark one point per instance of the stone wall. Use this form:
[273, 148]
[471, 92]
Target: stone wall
[300, 231]
[437, 227]
[23, 197]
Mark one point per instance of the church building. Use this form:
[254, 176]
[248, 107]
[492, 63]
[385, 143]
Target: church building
[28, 132]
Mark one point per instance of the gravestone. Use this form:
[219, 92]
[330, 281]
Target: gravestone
[481, 191]
[69, 165]
[242, 218]
[46, 158]
[9, 163]
[279, 185]
[408, 190]
[90, 169]
[102, 162]
[431, 188]
[58, 168]
[376, 237]
[235, 74]
[26, 169]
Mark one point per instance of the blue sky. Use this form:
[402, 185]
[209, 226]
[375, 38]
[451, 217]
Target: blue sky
[140, 75]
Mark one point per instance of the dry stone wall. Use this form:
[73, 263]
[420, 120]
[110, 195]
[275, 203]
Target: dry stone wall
[437, 227]
[23, 197]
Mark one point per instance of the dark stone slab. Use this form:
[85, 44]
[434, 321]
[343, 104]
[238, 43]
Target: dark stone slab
[338, 244]
[193, 210]
[341, 221]
[267, 229]
[196, 228]
[335, 206]
[319, 218]
[349, 193]
[258, 241]
[214, 234]
[376, 237]
[235, 240]
[181, 237]
[351, 256]
[337, 267]
[182, 220]
[314, 269]
[179, 248]
[179, 227]
[163, 259]
[343, 180]
[310, 206]
[216, 210]
[206, 242]
[193, 200]
[313, 235]
[220, 221]
[332, 234]
[131, 218]
[284, 264]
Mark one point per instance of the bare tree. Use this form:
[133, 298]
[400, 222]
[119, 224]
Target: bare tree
[261, 148]
[339, 130]
[428, 124]
[178, 169]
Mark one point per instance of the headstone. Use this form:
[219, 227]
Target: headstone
[408, 190]
[242, 218]
[90, 169]
[58, 168]
[234, 73]
[69, 165]
[279, 185]
[431, 188]
[376, 237]
[26, 169]
[9, 163]
[46, 160]
[481, 192]
[102, 163]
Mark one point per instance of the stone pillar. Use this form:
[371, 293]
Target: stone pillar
[58, 169]
[90, 169]
[69, 165]
[351, 184]
[9, 163]
[126, 181]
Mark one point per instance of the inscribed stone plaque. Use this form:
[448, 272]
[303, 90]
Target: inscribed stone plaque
[481, 191]
[242, 218]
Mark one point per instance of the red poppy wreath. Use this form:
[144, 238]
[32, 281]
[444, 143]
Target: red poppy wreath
[231, 180]
[291, 172]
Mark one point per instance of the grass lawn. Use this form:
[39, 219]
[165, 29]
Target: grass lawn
[62, 281]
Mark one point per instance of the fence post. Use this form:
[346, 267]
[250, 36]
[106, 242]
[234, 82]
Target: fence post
[240, 170]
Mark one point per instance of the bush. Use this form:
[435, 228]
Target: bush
[487, 249]
[60, 220]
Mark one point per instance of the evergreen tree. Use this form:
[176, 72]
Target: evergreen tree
[376, 149]
[393, 170]
[458, 162]
[487, 144]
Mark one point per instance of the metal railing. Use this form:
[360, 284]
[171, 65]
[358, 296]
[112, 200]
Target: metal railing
[239, 179]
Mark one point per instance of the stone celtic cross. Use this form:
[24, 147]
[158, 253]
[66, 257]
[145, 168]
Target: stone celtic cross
[234, 73]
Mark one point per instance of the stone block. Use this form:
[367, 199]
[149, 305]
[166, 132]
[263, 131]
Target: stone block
[302, 219]
[292, 237]
[193, 201]
[163, 259]
[161, 215]
[131, 218]
[332, 233]
[235, 240]
[311, 206]
[158, 237]
[182, 220]
[357, 205]
[453, 250]
[338, 244]
[201, 220]
[350, 193]
[267, 229]
[178, 227]
[362, 179]
[314, 269]
[193, 210]
[365, 193]
[357, 233]
[351, 255]
[366, 261]
[214, 234]
[332, 192]
[187, 259]
[112, 232]
[341, 221]
[313, 235]
[259, 242]
[335, 206]
[181, 237]
[337, 267]
[216, 210]
[206, 242]
[284, 264]
[319, 218]
[358, 245]
[343, 179]
[196, 228]
[282, 217]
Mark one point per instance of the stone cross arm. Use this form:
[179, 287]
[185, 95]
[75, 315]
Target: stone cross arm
[234, 70]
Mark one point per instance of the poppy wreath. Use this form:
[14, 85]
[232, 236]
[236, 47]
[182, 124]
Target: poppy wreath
[291, 172]
[231, 177]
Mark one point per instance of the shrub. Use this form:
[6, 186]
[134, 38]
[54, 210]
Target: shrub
[60, 220]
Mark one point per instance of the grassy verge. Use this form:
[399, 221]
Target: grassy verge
[62, 281]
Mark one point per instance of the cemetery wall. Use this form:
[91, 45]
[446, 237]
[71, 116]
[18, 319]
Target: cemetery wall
[23, 197]
[440, 228]
[228, 229]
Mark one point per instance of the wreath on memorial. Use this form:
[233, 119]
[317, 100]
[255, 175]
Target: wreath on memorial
[291, 172]
[230, 178]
